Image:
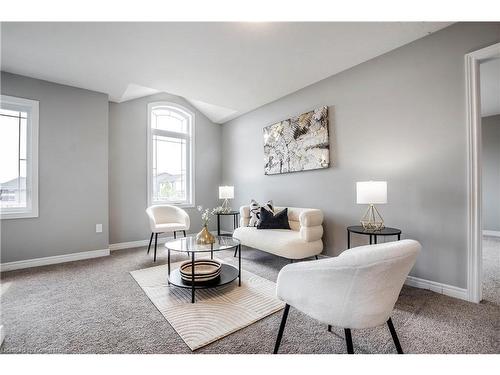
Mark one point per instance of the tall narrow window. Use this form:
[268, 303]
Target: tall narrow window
[170, 154]
[19, 157]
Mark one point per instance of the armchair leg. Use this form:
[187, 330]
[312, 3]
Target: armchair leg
[329, 328]
[184, 233]
[394, 336]
[175, 235]
[316, 257]
[348, 341]
[150, 240]
[156, 241]
[282, 328]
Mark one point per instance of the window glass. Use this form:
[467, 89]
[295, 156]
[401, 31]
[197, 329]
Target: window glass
[13, 154]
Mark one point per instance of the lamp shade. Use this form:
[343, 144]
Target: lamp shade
[226, 192]
[371, 192]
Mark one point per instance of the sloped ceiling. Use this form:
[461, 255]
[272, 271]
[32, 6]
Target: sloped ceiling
[224, 69]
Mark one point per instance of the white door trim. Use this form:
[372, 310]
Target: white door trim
[474, 198]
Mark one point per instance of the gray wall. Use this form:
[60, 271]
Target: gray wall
[73, 172]
[491, 172]
[399, 117]
[128, 166]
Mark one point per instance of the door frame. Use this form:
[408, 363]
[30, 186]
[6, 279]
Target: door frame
[474, 184]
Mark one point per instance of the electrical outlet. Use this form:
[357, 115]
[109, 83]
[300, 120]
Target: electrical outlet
[98, 228]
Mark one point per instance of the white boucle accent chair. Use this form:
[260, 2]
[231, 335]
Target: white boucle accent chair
[355, 290]
[302, 241]
[166, 218]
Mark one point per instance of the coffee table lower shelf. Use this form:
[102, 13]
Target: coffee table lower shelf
[227, 275]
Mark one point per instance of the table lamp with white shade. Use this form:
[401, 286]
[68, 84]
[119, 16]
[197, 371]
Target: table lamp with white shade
[371, 193]
[226, 193]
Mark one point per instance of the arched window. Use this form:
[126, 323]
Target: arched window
[170, 154]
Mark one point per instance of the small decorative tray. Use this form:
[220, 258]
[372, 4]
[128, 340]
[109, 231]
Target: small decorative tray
[205, 270]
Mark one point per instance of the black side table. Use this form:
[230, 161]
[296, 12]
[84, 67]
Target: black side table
[234, 214]
[358, 229]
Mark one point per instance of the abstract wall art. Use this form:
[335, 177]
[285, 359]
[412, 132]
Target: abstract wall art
[297, 144]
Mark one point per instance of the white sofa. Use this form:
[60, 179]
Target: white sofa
[302, 241]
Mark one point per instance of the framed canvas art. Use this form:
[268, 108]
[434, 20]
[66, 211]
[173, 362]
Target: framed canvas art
[299, 143]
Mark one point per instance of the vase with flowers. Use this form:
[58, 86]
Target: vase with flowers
[204, 237]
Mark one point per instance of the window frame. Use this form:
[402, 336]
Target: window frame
[190, 145]
[32, 129]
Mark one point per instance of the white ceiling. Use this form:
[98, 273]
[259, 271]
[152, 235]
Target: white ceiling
[490, 87]
[224, 69]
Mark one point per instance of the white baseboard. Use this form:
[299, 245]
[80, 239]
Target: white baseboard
[142, 243]
[448, 290]
[491, 233]
[11, 266]
[2, 334]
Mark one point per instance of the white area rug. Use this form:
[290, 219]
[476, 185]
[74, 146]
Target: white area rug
[217, 312]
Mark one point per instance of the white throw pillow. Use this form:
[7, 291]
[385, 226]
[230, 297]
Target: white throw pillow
[255, 212]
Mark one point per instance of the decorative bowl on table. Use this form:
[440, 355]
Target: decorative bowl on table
[205, 270]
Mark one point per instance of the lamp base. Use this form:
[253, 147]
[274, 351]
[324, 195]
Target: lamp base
[225, 206]
[372, 220]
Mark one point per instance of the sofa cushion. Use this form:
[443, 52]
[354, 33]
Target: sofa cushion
[286, 243]
[269, 220]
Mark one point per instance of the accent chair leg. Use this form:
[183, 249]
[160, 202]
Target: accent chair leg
[184, 233]
[316, 257]
[150, 240]
[348, 341]
[329, 328]
[291, 260]
[156, 242]
[282, 328]
[236, 251]
[175, 235]
[394, 336]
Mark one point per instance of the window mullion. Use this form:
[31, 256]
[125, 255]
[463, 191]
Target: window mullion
[19, 160]
[166, 133]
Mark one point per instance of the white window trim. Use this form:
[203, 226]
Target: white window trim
[191, 154]
[31, 156]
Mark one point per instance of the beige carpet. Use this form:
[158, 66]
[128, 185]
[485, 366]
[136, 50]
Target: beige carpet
[217, 312]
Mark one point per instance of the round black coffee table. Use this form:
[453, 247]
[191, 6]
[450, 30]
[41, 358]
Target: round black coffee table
[358, 229]
[188, 245]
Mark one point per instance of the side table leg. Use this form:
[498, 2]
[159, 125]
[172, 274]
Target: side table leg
[371, 239]
[239, 265]
[192, 277]
[399, 237]
[218, 225]
[348, 239]
[168, 257]
[375, 238]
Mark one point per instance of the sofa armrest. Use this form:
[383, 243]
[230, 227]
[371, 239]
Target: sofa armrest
[310, 234]
[311, 218]
[244, 216]
[311, 228]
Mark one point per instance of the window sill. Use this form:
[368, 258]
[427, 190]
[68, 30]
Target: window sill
[181, 205]
[18, 215]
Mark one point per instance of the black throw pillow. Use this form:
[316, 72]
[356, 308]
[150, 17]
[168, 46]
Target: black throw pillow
[268, 220]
